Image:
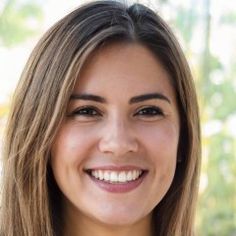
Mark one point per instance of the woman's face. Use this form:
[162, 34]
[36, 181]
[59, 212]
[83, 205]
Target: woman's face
[115, 154]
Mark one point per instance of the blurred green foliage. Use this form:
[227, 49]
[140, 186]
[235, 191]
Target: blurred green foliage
[217, 204]
[17, 21]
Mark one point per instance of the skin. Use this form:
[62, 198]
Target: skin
[117, 133]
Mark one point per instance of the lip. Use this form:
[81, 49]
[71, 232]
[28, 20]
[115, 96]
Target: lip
[117, 187]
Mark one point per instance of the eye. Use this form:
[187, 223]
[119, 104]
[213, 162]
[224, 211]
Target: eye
[151, 111]
[86, 111]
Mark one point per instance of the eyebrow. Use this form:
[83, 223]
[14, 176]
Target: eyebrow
[136, 99]
[149, 96]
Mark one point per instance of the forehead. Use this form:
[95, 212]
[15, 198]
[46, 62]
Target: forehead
[125, 68]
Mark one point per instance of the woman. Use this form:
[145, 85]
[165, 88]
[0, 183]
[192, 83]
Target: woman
[103, 135]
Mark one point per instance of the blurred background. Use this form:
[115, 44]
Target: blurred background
[206, 30]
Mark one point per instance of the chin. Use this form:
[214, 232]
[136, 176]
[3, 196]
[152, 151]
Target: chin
[120, 219]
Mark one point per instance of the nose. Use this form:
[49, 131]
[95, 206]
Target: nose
[118, 139]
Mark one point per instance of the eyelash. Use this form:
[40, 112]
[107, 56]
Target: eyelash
[155, 111]
[90, 111]
[87, 109]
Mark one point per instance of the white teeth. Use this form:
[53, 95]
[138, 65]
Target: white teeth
[116, 176]
[134, 174]
[122, 177]
[96, 174]
[129, 176]
[106, 176]
[100, 175]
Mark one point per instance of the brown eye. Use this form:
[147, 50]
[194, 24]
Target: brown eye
[150, 112]
[86, 111]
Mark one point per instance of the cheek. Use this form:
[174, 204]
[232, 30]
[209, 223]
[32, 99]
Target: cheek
[70, 149]
[162, 138]
[71, 143]
[161, 143]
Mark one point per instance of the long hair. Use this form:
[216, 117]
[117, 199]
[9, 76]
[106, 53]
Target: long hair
[30, 197]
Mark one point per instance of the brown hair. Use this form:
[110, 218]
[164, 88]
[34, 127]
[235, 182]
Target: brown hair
[30, 200]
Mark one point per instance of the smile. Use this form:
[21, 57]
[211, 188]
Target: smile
[116, 176]
[117, 179]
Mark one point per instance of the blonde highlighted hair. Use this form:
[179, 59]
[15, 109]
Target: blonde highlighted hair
[30, 197]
